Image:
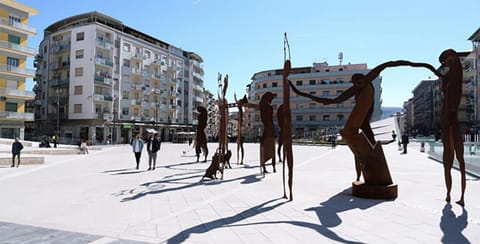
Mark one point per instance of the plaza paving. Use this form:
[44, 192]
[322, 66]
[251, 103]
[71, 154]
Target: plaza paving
[101, 198]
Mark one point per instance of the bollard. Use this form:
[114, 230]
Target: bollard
[422, 146]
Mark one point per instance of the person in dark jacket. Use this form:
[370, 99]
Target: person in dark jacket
[16, 148]
[405, 143]
[153, 145]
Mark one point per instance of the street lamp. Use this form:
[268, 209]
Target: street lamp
[114, 119]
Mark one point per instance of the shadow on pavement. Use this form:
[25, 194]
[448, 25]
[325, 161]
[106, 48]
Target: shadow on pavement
[452, 226]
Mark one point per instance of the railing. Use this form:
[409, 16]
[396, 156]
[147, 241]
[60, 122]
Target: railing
[17, 93]
[471, 155]
[18, 25]
[17, 115]
[103, 61]
[17, 70]
[105, 44]
[57, 82]
[104, 80]
[13, 46]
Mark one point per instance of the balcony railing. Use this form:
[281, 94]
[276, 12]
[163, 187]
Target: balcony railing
[104, 80]
[17, 93]
[103, 61]
[4, 21]
[105, 44]
[16, 47]
[17, 70]
[17, 115]
[59, 82]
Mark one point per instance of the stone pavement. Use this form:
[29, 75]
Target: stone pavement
[101, 198]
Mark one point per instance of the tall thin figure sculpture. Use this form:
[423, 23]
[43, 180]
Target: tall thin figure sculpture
[201, 138]
[240, 103]
[267, 145]
[280, 116]
[451, 133]
[287, 119]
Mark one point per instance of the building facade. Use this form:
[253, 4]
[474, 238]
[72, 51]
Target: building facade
[101, 80]
[308, 117]
[14, 33]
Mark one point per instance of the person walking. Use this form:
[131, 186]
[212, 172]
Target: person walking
[153, 146]
[137, 146]
[405, 143]
[16, 148]
[54, 139]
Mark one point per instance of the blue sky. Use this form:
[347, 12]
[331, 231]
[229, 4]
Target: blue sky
[242, 37]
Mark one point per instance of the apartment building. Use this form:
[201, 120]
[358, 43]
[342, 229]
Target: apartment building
[101, 80]
[14, 34]
[308, 117]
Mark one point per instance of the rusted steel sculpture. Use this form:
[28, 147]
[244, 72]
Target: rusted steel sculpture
[451, 73]
[201, 138]
[267, 143]
[240, 103]
[280, 116]
[368, 153]
[287, 121]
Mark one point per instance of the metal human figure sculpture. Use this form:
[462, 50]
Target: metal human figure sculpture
[451, 73]
[368, 153]
[280, 120]
[267, 145]
[201, 138]
[240, 103]
[287, 126]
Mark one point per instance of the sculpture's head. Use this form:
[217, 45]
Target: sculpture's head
[266, 98]
[445, 55]
[358, 80]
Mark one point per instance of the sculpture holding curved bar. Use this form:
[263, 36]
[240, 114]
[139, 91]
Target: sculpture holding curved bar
[240, 103]
[369, 156]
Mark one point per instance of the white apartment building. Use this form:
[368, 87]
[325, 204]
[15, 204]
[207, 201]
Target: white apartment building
[308, 117]
[101, 80]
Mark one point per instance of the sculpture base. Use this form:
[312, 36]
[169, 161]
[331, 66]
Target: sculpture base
[360, 189]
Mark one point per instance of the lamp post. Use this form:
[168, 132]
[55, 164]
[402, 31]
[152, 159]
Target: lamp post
[114, 119]
[57, 131]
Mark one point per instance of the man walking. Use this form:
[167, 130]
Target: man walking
[404, 143]
[137, 146]
[153, 145]
[16, 148]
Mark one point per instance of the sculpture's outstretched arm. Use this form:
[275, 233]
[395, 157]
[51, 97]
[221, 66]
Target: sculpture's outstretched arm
[307, 95]
[376, 71]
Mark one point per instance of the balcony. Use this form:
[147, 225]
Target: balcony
[64, 46]
[15, 48]
[103, 80]
[103, 61]
[19, 27]
[59, 81]
[136, 102]
[105, 44]
[101, 97]
[60, 65]
[16, 71]
[16, 116]
[17, 93]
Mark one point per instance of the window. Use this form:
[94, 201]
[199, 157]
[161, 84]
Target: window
[312, 105]
[275, 95]
[299, 83]
[299, 117]
[125, 94]
[77, 108]
[147, 54]
[13, 39]
[78, 71]
[340, 117]
[12, 62]
[312, 92]
[274, 84]
[264, 86]
[339, 92]
[324, 82]
[326, 117]
[79, 54]
[126, 47]
[313, 117]
[10, 107]
[125, 111]
[126, 63]
[326, 93]
[78, 90]
[311, 82]
[80, 36]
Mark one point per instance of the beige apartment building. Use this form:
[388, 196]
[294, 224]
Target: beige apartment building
[14, 33]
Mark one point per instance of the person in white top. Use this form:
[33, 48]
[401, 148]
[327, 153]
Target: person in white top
[137, 146]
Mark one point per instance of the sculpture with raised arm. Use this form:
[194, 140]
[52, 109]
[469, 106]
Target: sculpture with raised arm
[201, 138]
